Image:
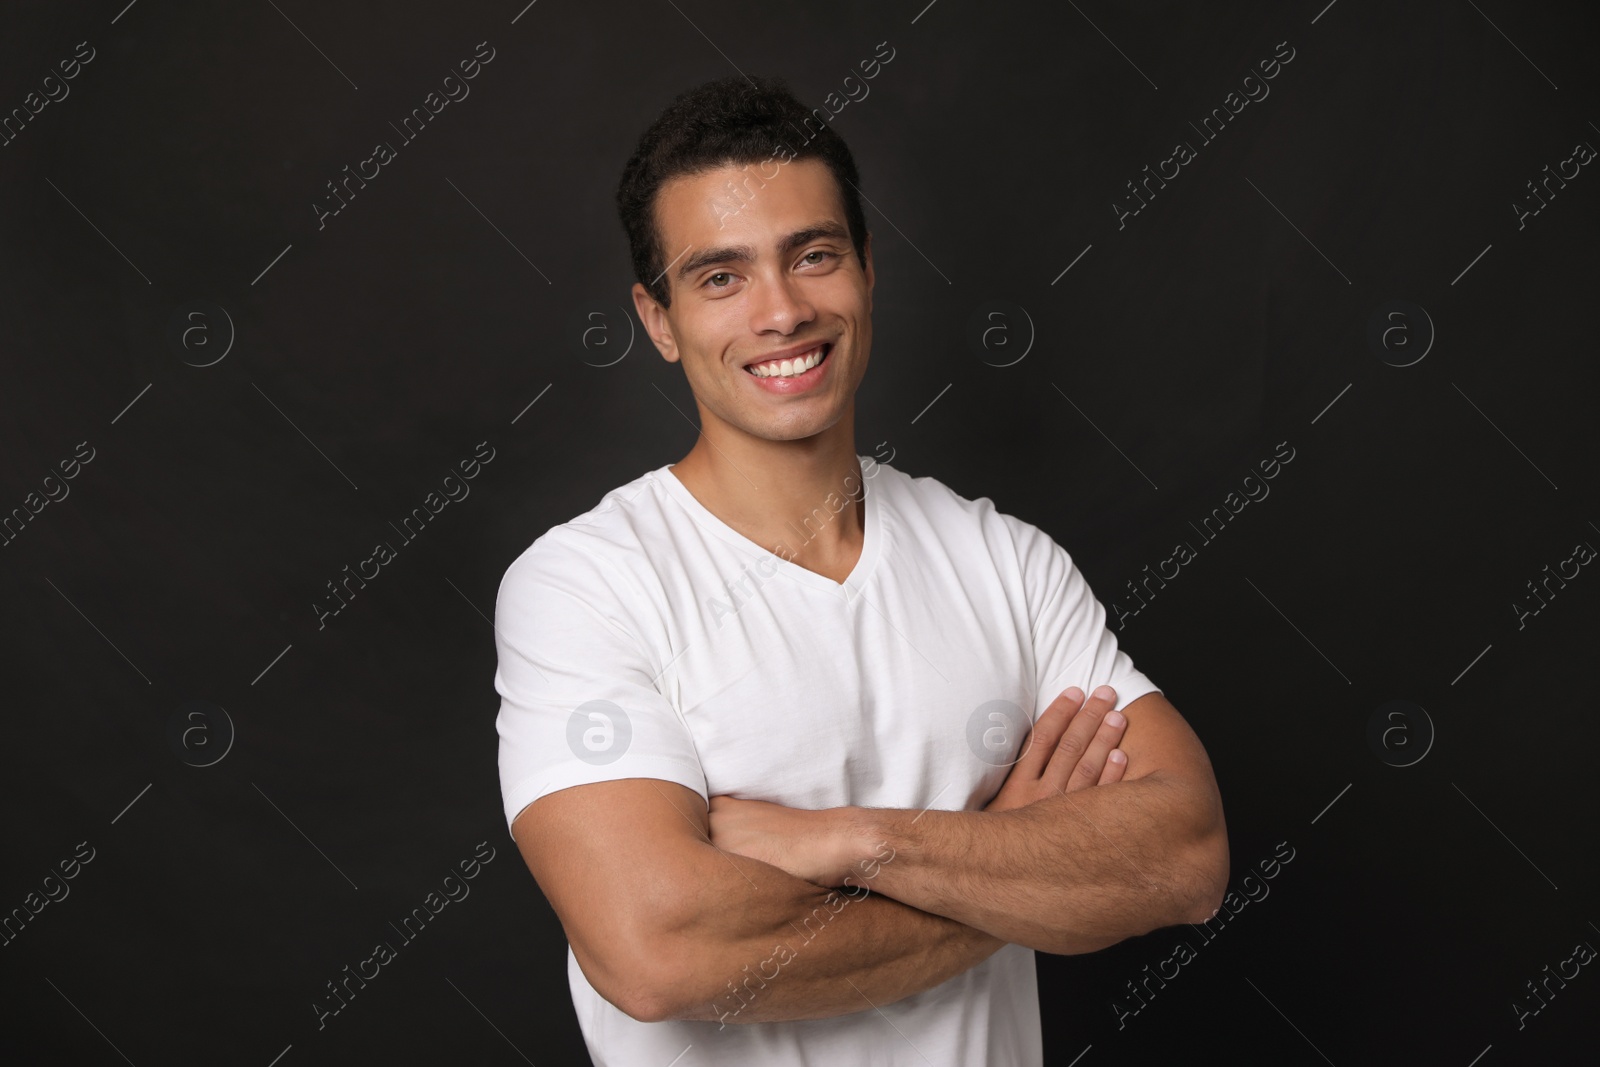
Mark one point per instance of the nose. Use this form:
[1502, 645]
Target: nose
[780, 305]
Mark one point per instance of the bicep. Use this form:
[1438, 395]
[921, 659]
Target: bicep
[1159, 739]
[1160, 744]
[1072, 643]
[612, 858]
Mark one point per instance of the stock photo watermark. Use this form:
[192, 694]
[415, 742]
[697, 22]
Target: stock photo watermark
[1524, 1009]
[1400, 333]
[742, 590]
[55, 490]
[854, 493]
[383, 553]
[200, 733]
[596, 325]
[1582, 153]
[1255, 489]
[454, 890]
[1183, 952]
[201, 333]
[742, 994]
[53, 890]
[1183, 153]
[1400, 732]
[989, 333]
[455, 89]
[740, 194]
[1582, 553]
[599, 732]
[995, 730]
[752, 576]
[33, 104]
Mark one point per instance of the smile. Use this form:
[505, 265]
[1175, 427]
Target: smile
[793, 367]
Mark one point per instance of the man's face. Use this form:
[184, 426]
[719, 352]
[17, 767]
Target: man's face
[767, 271]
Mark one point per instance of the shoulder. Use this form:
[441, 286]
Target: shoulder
[931, 504]
[589, 555]
[974, 532]
[921, 497]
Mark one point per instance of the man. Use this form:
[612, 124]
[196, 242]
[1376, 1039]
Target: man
[747, 689]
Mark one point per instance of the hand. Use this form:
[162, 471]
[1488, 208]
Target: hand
[1071, 746]
[807, 844]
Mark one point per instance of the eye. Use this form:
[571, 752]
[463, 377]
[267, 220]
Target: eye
[719, 274]
[819, 252]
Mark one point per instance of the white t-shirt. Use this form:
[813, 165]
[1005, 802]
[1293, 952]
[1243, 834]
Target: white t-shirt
[646, 638]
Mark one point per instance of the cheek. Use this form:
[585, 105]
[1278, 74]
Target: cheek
[863, 339]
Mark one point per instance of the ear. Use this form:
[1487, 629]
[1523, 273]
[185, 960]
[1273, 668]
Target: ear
[656, 323]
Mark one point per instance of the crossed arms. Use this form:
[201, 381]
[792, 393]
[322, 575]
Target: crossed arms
[677, 910]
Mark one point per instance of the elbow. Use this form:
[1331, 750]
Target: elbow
[666, 986]
[649, 1009]
[631, 982]
[1206, 871]
[669, 989]
[664, 977]
[665, 997]
[1208, 893]
[639, 995]
[646, 999]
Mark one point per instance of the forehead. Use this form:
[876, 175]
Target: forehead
[743, 202]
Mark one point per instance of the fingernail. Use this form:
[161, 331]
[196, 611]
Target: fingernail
[1118, 756]
[1116, 718]
[1073, 693]
[1105, 692]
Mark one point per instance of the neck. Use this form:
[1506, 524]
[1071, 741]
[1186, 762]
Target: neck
[802, 499]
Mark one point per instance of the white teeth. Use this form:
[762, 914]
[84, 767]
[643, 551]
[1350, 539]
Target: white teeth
[788, 368]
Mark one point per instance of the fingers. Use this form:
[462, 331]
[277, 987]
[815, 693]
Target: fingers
[1082, 755]
[1116, 765]
[1041, 742]
[1072, 745]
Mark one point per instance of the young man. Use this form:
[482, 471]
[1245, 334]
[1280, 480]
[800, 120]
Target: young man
[748, 688]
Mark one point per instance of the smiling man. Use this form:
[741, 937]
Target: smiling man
[808, 755]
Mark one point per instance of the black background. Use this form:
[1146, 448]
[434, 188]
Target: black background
[373, 353]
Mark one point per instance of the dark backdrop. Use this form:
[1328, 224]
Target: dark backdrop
[247, 390]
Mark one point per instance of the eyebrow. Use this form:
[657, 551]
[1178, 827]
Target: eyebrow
[746, 254]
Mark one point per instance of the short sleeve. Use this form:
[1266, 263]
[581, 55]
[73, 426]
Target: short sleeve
[1072, 645]
[578, 696]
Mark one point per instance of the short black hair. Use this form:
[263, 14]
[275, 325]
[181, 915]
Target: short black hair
[731, 120]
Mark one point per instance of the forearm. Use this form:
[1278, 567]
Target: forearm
[786, 949]
[1074, 872]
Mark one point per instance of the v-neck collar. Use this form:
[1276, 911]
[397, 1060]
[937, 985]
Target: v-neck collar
[871, 539]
